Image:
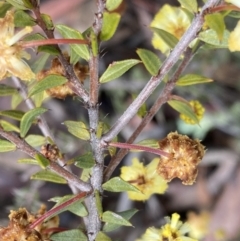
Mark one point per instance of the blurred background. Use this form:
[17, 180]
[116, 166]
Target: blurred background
[213, 201]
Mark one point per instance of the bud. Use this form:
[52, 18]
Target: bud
[51, 152]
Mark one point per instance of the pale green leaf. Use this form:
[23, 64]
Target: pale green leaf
[102, 237]
[43, 162]
[78, 129]
[234, 14]
[98, 201]
[117, 69]
[216, 22]
[48, 82]
[35, 140]
[28, 119]
[210, 37]
[149, 143]
[40, 63]
[28, 161]
[46, 175]
[18, 4]
[110, 24]
[108, 227]
[4, 7]
[167, 37]
[150, 60]
[117, 184]
[7, 90]
[111, 217]
[7, 126]
[69, 235]
[76, 207]
[190, 5]
[6, 146]
[84, 161]
[13, 114]
[23, 19]
[192, 79]
[16, 100]
[48, 21]
[70, 33]
[113, 4]
[183, 108]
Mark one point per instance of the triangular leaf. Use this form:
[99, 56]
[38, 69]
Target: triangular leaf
[111, 217]
[191, 5]
[16, 100]
[113, 4]
[150, 60]
[6, 146]
[110, 24]
[42, 161]
[28, 118]
[70, 33]
[46, 175]
[117, 69]
[78, 129]
[167, 37]
[184, 108]
[192, 79]
[18, 4]
[117, 184]
[102, 237]
[216, 22]
[48, 82]
[73, 235]
[85, 161]
[108, 227]
[22, 19]
[35, 140]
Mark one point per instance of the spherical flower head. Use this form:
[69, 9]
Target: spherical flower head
[234, 2]
[173, 230]
[234, 39]
[11, 62]
[145, 178]
[198, 109]
[185, 156]
[171, 19]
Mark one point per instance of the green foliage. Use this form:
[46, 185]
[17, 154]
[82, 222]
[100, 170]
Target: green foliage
[117, 69]
[22, 19]
[117, 184]
[102, 237]
[6, 146]
[46, 175]
[113, 4]
[7, 90]
[18, 4]
[78, 129]
[7, 126]
[114, 218]
[190, 5]
[192, 79]
[73, 235]
[42, 161]
[13, 114]
[85, 161]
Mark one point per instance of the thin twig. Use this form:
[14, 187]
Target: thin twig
[152, 84]
[53, 166]
[163, 97]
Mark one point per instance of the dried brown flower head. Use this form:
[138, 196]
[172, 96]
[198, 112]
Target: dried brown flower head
[51, 152]
[185, 156]
[62, 91]
[18, 227]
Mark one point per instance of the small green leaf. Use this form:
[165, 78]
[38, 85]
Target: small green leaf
[192, 79]
[22, 19]
[167, 37]
[78, 129]
[149, 143]
[111, 217]
[73, 235]
[102, 237]
[76, 207]
[46, 175]
[108, 227]
[48, 21]
[113, 4]
[150, 60]
[110, 24]
[117, 184]
[94, 43]
[7, 126]
[216, 22]
[191, 5]
[40, 63]
[85, 161]
[6, 146]
[43, 162]
[86, 174]
[35, 140]
[49, 49]
[16, 100]
[48, 82]
[98, 201]
[7, 90]
[210, 36]
[18, 4]
[70, 33]
[117, 69]
[28, 161]
[28, 119]
[34, 36]
[4, 7]
[234, 14]
[184, 108]
[13, 114]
